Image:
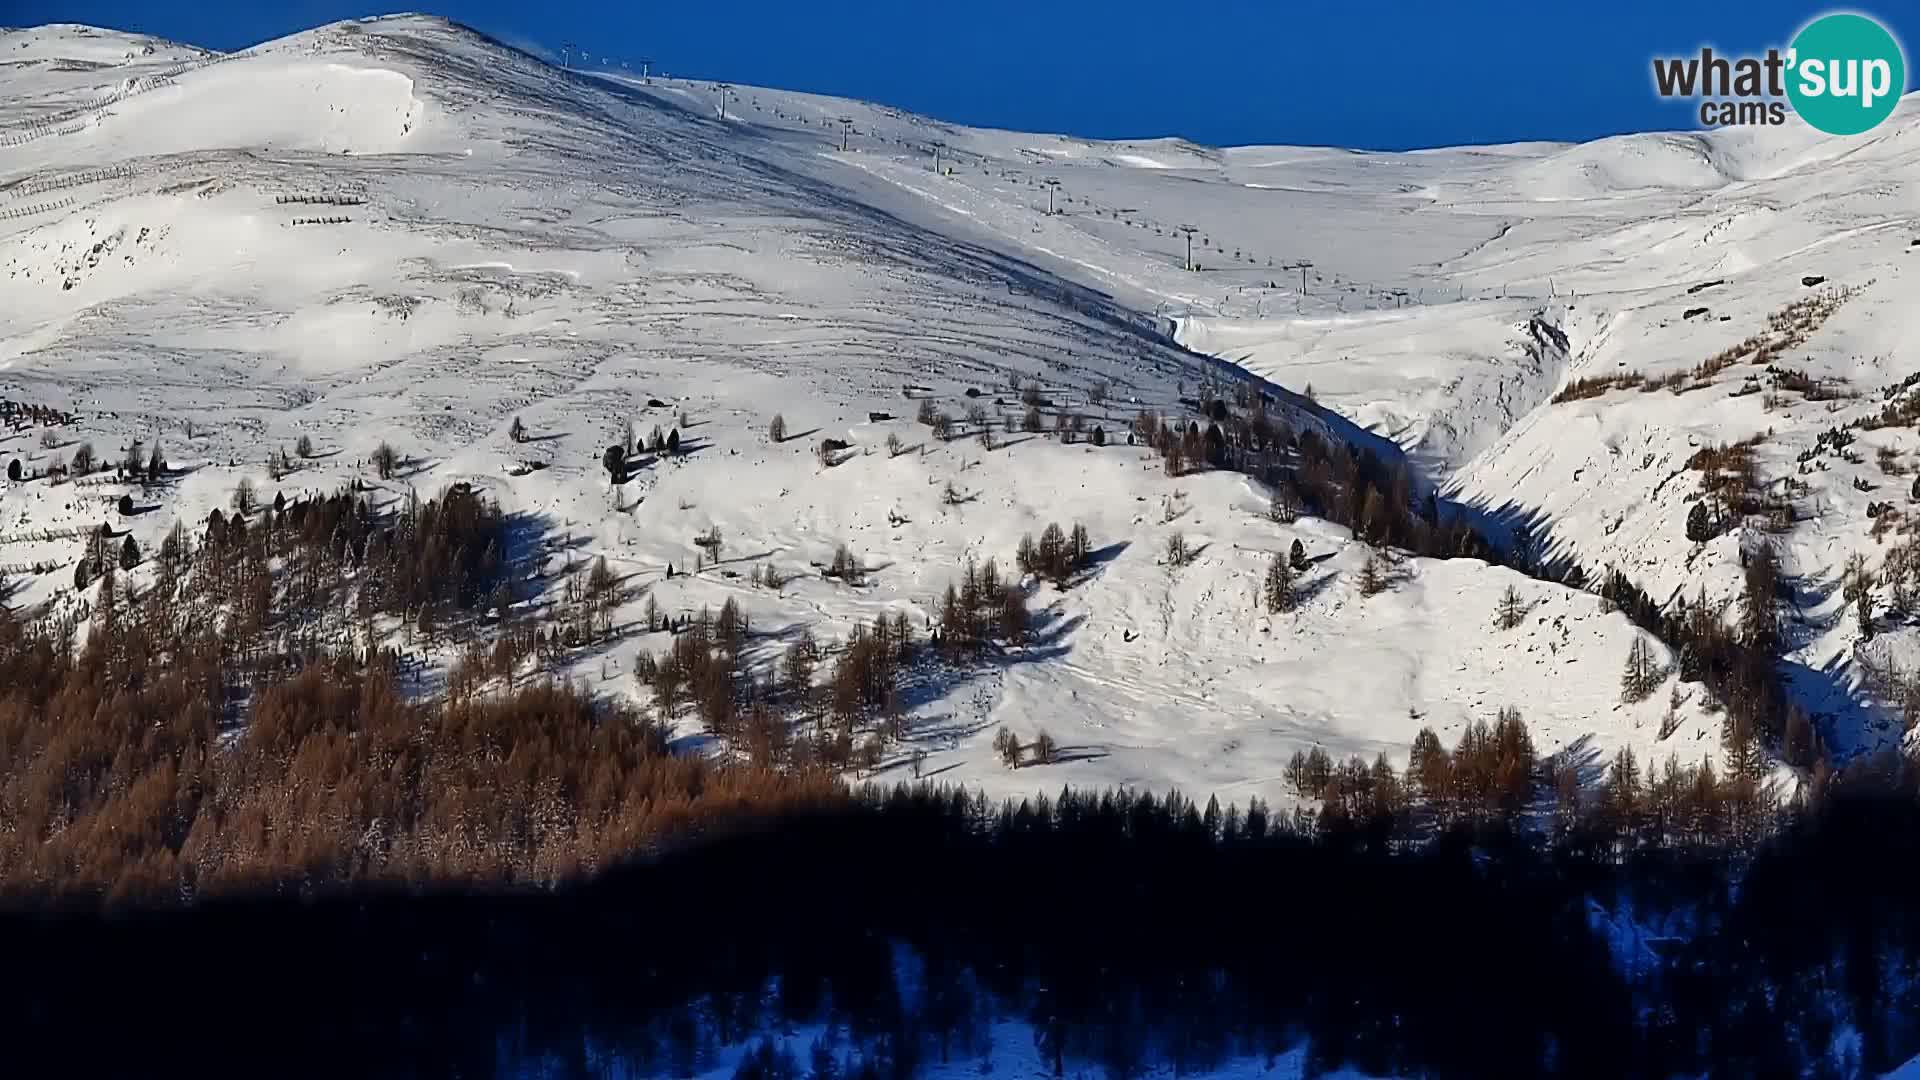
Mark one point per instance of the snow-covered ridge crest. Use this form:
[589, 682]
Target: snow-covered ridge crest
[397, 230]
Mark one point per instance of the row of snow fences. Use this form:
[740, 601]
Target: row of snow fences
[41, 536]
[73, 120]
[56, 183]
[40, 131]
[322, 200]
[321, 220]
[37, 208]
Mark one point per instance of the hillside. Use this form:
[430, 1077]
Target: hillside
[397, 231]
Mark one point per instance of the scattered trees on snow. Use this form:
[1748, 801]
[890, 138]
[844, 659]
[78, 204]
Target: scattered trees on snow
[1007, 745]
[1057, 555]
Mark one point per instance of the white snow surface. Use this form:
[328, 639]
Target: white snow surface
[564, 246]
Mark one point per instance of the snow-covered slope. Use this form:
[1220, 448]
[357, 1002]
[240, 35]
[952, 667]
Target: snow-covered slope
[515, 240]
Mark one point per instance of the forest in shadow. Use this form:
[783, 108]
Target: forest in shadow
[1127, 934]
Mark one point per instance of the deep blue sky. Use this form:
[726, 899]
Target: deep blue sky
[1385, 74]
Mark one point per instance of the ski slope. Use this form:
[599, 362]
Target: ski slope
[567, 247]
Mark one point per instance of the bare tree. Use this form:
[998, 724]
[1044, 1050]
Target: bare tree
[777, 429]
[1007, 745]
[1641, 675]
[304, 447]
[1285, 507]
[386, 460]
[1044, 748]
[243, 498]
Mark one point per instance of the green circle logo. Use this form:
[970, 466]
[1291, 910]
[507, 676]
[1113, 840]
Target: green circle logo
[1846, 74]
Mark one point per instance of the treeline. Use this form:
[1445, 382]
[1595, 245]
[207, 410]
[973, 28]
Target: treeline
[119, 783]
[1737, 659]
[1310, 475]
[225, 725]
[1572, 799]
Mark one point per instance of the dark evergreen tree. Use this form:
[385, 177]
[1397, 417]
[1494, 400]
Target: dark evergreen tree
[1373, 573]
[1699, 526]
[1761, 601]
[1642, 674]
[1279, 587]
[129, 553]
[1512, 611]
[1297, 556]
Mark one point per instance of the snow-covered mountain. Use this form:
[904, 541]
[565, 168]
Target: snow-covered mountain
[398, 230]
